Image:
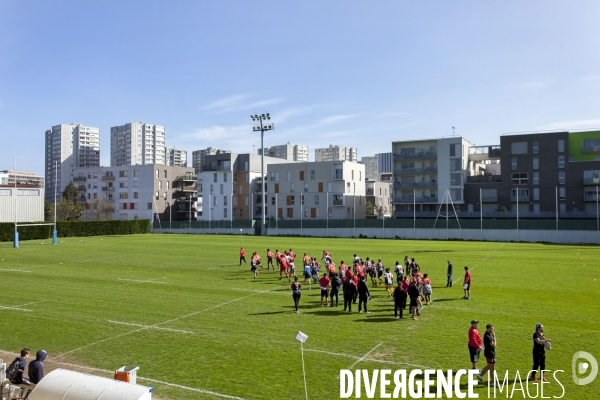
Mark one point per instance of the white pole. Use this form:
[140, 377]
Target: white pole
[262, 177]
[481, 212]
[190, 217]
[597, 218]
[54, 234]
[209, 212]
[415, 213]
[517, 214]
[382, 221]
[327, 212]
[170, 215]
[276, 215]
[16, 238]
[448, 195]
[301, 211]
[303, 370]
[231, 212]
[354, 210]
[556, 195]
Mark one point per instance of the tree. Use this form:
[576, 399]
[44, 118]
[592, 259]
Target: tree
[48, 211]
[68, 208]
[379, 211]
[369, 209]
[71, 194]
[99, 210]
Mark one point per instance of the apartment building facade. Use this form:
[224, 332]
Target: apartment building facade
[21, 196]
[68, 146]
[371, 166]
[336, 153]
[155, 192]
[198, 157]
[428, 173]
[288, 151]
[378, 199]
[316, 190]
[176, 157]
[137, 143]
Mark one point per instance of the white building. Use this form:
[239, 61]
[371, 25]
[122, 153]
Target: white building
[155, 192]
[289, 151]
[137, 143]
[28, 198]
[336, 153]
[199, 155]
[326, 189]
[231, 186]
[426, 170]
[379, 195]
[176, 158]
[371, 166]
[69, 146]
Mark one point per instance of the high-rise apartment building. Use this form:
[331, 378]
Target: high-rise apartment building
[137, 143]
[199, 155]
[69, 146]
[336, 153]
[289, 151]
[371, 166]
[176, 158]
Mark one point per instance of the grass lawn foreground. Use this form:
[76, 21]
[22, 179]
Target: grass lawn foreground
[182, 309]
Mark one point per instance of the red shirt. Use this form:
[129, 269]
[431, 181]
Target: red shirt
[270, 254]
[474, 338]
[468, 277]
[324, 282]
[242, 253]
[405, 286]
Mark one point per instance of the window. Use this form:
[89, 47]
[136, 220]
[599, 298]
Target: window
[156, 195]
[452, 151]
[124, 195]
[523, 194]
[157, 174]
[288, 175]
[513, 163]
[135, 195]
[312, 174]
[536, 178]
[224, 200]
[234, 189]
[562, 193]
[536, 162]
[241, 188]
[221, 189]
[305, 187]
[301, 175]
[306, 213]
[234, 213]
[302, 199]
[561, 177]
[276, 176]
[520, 178]
[215, 201]
[290, 213]
[561, 161]
[235, 201]
[235, 176]
[167, 185]
[591, 146]
[561, 145]
[215, 177]
[246, 200]
[291, 187]
[164, 195]
[273, 200]
[135, 172]
[159, 185]
[320, 187]
[289, 200]
[212, 189]
[518, 148]
[314, 212]
[135, 184]
[536, 193]
[122, 174]
[241, 212]
[316, 199]
[329, 187]
[124, 185]
[535, 147]
[225, 213]
[224, 176]
[352, 175]
[149, 206]
[330, 211]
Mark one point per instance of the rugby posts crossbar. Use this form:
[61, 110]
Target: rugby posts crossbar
[33, 224]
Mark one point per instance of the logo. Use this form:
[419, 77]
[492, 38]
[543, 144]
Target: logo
[580, 368]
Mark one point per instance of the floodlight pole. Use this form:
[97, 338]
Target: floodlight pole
[276, 216]
[556, 208]
[481, 213]
[54, 234]
[517, 214]
[327, 213]
[262, 128]
[415, 214]
[16, 238]
[301, 211]
[597, 216]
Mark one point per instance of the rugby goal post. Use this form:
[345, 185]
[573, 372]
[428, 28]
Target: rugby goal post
[17, 225]
[445, 200]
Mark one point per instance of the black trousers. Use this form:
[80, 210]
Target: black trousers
[362, 300]
[347, 302]
[242, 259]
[296, 296]
[539, 362]
[449, 284]
[399, 306]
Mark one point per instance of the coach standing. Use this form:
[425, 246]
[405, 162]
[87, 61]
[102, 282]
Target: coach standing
[539, 352]
[449, 284]
[467, 284]
[475, 343]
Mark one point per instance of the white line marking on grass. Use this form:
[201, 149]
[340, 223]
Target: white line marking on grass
[160, 323]
[14, 270]
[134, 281]
[141, 378]
[473, 267]
[367, 359]
[150, 327]
[365, 356]
[17, 307]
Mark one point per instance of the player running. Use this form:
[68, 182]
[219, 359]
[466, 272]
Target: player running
[270, 259]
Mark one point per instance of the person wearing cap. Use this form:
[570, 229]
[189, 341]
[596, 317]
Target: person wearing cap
[475, 343]
[539, 352]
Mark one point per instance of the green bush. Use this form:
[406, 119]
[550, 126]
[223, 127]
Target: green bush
[75, 229]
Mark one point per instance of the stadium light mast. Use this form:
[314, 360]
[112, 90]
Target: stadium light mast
[262, 127]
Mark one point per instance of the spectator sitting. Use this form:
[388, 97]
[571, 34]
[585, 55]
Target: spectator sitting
[36, 368]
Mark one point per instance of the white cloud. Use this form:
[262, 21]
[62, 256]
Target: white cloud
[573, 125]
[226, 102]
[237, 103]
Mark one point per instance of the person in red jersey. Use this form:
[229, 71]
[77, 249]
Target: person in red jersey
[283, 268]
[270, 259]
[475, 343]
[324, 283]
[467, 284]
[242, 255]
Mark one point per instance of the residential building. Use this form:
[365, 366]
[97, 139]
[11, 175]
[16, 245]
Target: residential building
[336, 153]
[176, 158]
[371, 166]
[69, 146]
[230, 188]
[378, 199]
[385, 166]
[137, 143]
[428, 173]
[326, 189]
[154, 191]
[28, 198]
[289, 151]
[199, 155]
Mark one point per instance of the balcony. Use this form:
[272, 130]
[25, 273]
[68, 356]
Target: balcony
[479, 153]
[413, 171]
[521, 198]
[108, 189]
[414, 185]
[79, 179]
[590, 197]
[186, 189]
[591, 181]
[108, 178]
[81, 189]
[411, 199]
[186, 178]
[338, 200]
[490, 198]
[425, 155]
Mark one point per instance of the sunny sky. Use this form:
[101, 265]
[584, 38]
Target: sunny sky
[354, 73]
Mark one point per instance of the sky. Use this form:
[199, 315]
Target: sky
[354, 73]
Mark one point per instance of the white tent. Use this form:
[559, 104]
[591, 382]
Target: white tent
[62, 384]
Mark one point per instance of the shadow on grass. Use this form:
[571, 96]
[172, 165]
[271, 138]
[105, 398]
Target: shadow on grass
[440, 300]
[273, 312]
[376, 319]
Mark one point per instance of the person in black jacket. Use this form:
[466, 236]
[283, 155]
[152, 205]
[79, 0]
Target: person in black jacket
[36, 368]
[336, 283]
[21, 365]
[414, 293]
[399, 299]
[363, 294]
[348, 289]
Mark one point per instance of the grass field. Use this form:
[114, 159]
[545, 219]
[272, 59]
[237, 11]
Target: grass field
[180, 308]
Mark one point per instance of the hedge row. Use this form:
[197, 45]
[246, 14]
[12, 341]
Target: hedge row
[75, 229]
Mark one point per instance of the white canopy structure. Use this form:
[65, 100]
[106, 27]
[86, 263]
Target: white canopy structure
[62, 384]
